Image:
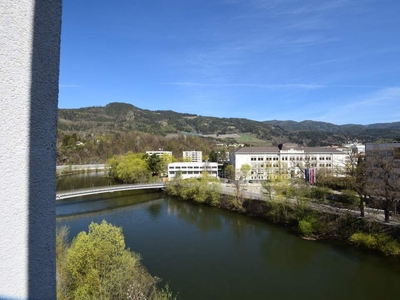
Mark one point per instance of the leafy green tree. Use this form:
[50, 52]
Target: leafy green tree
[71, 142]
[245, 170]
[187, 159]
[130, 167]
[165, 160]
[155, 164]
[222, 156]
[230, 172]
[213, 156]
[97, 265]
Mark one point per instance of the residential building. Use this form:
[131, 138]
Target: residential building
[192, 169]
[287, 160]
[194, 156]
[159, 152]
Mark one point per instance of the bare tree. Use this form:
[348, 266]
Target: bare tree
[383, 170]
[357, 179]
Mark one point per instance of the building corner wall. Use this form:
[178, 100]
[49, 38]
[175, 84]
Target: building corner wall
[29, 71]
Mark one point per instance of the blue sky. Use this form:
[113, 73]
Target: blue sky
[335, 61]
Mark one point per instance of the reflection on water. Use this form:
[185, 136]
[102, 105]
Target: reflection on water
[155, 209]
[103, 202]
[203, 219]
[79, 181]
[208, 253]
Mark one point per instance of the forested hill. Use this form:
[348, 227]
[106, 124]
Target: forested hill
[313, 133]
[122, 117]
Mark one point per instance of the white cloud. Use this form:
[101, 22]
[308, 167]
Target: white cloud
[380, 106]
[256, 85]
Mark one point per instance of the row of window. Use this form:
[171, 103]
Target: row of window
[277, 165]
[189, 172]
[267, 165]
[193, 167]
[260, 158]
[292, 158]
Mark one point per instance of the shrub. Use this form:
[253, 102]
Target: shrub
[387, 244]
[305, 227]
[335, 183]
[364, 239]
[201, 190]
[280, 212]
[320, 193]
[377, 241]
[348, 197]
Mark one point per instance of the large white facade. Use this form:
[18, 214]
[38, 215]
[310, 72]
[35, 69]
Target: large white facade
[270, 162]
[192, 169]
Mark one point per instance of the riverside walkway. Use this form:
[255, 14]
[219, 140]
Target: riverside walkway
[107, 189]
[255, 192]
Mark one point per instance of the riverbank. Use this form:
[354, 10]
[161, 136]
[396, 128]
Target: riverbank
[301, 217]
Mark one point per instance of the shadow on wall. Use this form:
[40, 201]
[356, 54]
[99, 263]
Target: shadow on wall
[42, 149]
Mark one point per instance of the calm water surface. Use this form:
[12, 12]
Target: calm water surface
[68, 183]
[207, 253]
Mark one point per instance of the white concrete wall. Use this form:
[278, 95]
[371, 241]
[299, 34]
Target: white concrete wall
[29, 68]
[192, 169]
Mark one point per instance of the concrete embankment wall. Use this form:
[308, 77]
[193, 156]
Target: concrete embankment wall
[82, 167]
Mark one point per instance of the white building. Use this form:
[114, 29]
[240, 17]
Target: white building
[159, 152]
[354, 150]
[290, 161]
[195, 156]
[192, 169]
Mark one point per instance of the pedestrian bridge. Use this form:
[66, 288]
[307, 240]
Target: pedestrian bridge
[107, 189]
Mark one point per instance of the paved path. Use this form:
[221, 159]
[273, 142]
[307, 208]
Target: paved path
[255, 192]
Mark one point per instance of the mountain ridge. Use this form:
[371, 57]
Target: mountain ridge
[124, 117]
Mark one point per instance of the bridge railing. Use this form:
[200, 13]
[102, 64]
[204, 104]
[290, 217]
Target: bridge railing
[105, 189]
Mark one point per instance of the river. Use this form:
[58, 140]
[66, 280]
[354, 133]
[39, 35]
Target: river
[208, 253]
